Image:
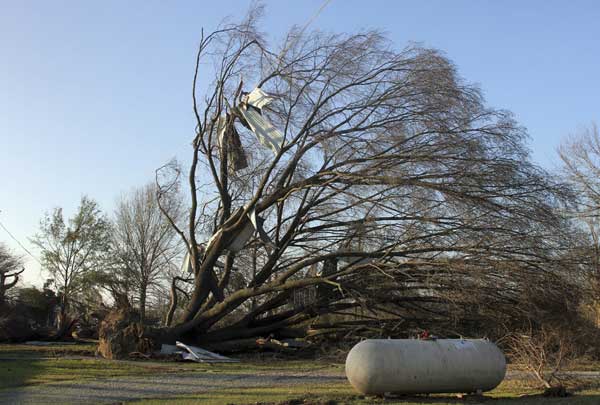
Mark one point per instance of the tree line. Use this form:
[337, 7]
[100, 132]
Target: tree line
[94, 260]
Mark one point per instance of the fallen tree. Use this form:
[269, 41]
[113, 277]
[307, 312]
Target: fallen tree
[335, 180]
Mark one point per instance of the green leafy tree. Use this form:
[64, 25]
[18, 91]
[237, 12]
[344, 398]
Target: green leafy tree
[72, 250]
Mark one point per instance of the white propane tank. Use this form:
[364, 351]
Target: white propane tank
[412, 366]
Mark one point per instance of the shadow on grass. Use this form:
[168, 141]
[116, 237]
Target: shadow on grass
[22, 364]
[19, 372]
[15, 374]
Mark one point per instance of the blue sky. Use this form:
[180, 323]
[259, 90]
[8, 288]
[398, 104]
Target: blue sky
[94, 96]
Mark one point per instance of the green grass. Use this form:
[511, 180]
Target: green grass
[20, 350]
[16, 373]
[27, 365]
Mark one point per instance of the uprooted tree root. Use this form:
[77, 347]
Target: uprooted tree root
[122, 335]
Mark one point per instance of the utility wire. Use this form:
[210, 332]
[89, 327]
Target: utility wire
[306, 25]
[20, 244]
[314, 17]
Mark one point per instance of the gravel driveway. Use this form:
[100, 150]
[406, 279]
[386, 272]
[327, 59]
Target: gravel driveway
[110, 390]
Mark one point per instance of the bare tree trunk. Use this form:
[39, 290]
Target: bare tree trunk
[254, 258]
[2, 291]
[143, 292]
[62, 321]
[173, 304]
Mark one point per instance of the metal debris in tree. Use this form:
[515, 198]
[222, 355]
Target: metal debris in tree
[251, 111]
[253, 223]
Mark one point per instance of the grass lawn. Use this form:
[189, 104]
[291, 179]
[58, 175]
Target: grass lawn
[20, 350]
[27, 365]
[22, 365]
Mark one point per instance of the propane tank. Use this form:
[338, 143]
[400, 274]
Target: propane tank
[414, 366]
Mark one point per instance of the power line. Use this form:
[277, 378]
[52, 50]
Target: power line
[19, 243]
[309, 22]
[314, 17]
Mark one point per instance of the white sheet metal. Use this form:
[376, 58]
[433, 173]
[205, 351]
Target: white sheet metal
[203, 356]
[241, 238]
[255, 224]
[186, 265]
[266, 133]
[221, 121]
[258, 98]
